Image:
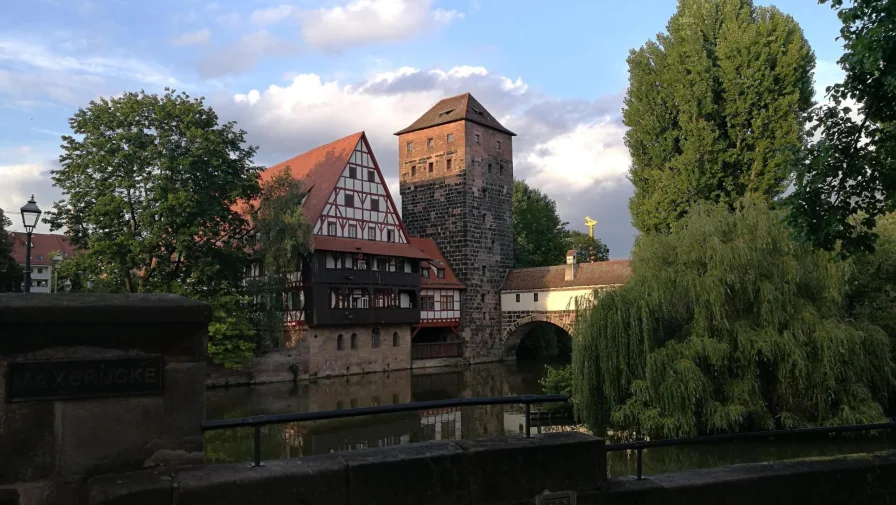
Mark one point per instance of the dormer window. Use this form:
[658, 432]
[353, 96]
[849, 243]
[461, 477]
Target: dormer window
[446, 112]
[425, 272]
[440, 273]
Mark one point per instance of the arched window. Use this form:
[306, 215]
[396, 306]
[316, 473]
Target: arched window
[375, 338]
[396, 340]
[339, 344]
[354, 340]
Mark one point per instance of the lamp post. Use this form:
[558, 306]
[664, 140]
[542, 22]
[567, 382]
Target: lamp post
[67, 286]
[56, 261]
[30, 215]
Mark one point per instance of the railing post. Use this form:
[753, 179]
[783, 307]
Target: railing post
[639, 451]
[256, 446]
[528, 414]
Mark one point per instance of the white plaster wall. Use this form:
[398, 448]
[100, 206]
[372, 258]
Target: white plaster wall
[547, 300]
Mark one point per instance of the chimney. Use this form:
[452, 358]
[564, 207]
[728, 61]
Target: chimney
[571, 265]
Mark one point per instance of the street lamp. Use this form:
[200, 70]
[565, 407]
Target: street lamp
[68, 285]
[30, 215]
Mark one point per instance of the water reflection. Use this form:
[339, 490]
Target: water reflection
[501, 379]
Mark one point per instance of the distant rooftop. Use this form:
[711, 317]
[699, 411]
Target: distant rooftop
[601, 273]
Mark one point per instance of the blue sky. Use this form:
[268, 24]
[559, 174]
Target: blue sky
[296, 74]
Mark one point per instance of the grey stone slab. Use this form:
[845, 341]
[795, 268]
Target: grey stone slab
[432, 473]
[138, 488]
[518, 468]
[27, 439]
[317, 480]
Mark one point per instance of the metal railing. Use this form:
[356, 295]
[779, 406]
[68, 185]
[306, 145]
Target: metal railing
[257, 422]
[639, 445]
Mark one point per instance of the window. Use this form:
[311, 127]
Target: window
[476, 138]
[349, 200]
[427, 302]
[430, 167]
[410, 146]
[340, 342]
[484, 216]
[535, 297]
[440, 273]
[40, 270]
[401, 264]
[499, 145]
[353, 172]
[371, 233]
[448, 164]
[429, 142]
[375, 339]
[352, 231]
[500, 169]
[375, 204]
[413, 170]
[450, 137]
[396, 341]
[353, 403]
[354, 345]
[482, 298]
[331, 229]
[489, 168]
[447, 302]
[390, 236]
[371, 176]
[40, 257]
[425, 272]
[517, 298]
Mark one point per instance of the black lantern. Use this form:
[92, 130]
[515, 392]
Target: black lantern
[30, 215]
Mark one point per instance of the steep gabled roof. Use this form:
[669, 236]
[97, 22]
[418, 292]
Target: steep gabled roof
[601, 273]
[42, 245]
[456, 108]
[431, 251]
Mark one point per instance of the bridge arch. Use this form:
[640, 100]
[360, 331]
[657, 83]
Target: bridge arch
[515, 329]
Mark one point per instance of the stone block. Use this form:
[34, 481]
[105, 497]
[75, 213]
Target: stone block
[317, 480]
[511, 469]
[27, 439]
[138, 488]
[431, 473]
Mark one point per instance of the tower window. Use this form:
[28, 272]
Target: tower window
[331, 229]
[489, 168]
[450, 137]
[396, 341]
[430, 167]
[500, 169]
[410, 146]
[448, 164]
[476, 138]
[483, 270]
[413, 170]
[340, 345]
[517, 298]
[484, 216]
[499, 145]
[429, 142]
[349, 200]
[375, 204]
[482, 297]
[375, 338]
[354, 344]
[353, 172]
[535, 297]
[371, 176]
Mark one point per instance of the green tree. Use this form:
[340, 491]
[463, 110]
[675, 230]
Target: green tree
[149, 186]
[539, 234]
[847, 177]
[588, 249]
[11, 273]
[726, 325]
[715, 108]
[871, 292]
[284, 238]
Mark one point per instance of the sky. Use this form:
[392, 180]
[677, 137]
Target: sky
[297, 74]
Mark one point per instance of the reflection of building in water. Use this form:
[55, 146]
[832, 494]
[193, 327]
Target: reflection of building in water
[441, 424]
[338, 435]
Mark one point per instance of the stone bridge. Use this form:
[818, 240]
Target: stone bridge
[552, 295]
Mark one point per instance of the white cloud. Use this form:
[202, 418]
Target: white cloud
[20, 181]
[572, 149]
[244, 53]
[192, 38]
[371, 21]
[271, 15]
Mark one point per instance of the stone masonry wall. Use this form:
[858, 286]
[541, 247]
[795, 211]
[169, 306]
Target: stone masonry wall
[319, 344]
[467, 211]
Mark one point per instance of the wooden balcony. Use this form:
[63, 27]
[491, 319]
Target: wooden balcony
[437, 350]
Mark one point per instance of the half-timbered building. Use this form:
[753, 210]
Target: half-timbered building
[355, 301]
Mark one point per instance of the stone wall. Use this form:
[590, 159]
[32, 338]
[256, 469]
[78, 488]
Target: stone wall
[516, 323]
[48, 446]
[467, 211]
[326, 360]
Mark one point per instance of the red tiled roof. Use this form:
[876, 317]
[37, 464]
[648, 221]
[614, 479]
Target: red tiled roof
[42, 245]
[431, 250]
[325, 243]
[456, 108]
[601, 273]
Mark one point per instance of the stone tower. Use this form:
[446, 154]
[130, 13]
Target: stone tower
[456, 178]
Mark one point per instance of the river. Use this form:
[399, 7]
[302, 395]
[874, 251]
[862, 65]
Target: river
[497, 379]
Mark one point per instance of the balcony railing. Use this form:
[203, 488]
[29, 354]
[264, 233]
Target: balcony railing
[437, 350]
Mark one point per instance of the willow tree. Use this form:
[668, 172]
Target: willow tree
[715, 108]
[727, 324]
